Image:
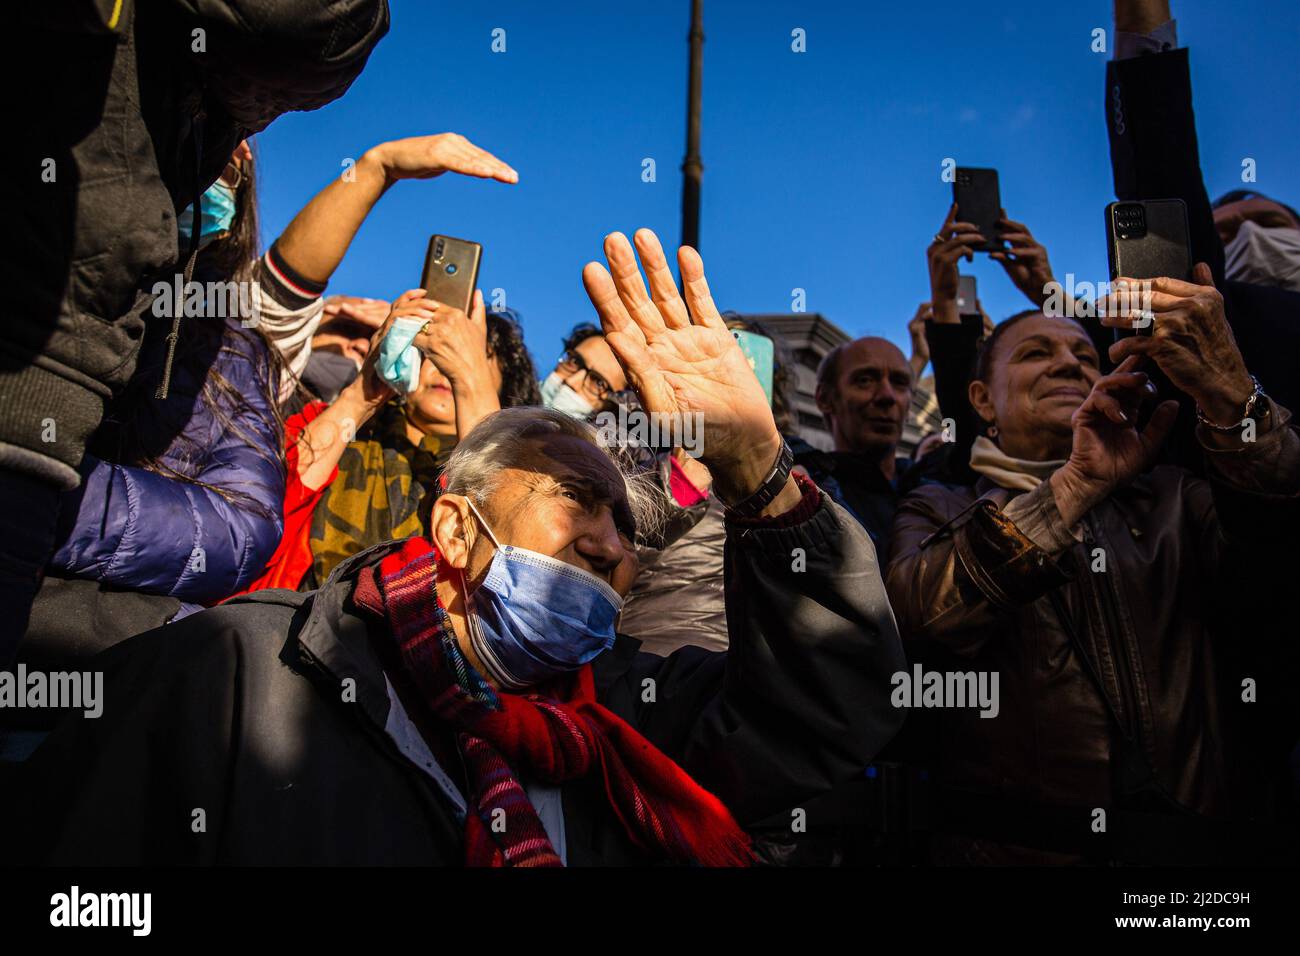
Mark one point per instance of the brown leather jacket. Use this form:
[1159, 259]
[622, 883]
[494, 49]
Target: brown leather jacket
[969, 588]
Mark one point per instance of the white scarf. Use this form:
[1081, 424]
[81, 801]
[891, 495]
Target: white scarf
[1015, 473]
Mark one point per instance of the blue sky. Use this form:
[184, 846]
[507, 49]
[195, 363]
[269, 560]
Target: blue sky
[822, 168]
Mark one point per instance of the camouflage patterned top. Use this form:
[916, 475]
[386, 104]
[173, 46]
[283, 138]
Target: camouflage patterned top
[384, 490]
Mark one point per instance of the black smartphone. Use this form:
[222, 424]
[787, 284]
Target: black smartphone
[1147, 239]
[979, 201]
[451, 271]
[967, 303]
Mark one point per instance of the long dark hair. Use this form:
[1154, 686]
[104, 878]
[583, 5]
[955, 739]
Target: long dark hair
[235, 253]
[518, 373]
[145, 440]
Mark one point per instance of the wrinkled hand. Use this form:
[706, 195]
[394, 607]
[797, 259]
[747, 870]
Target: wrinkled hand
[1190, 340]
[953, 242]
[1108, 451]
[455, 342]
[344, 309]
[424, 157]
[681, 358]
[368, 385]
[1025, 261]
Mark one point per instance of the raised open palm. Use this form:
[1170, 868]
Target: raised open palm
[680, 356]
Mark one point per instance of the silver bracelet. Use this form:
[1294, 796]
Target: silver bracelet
[1251, 402]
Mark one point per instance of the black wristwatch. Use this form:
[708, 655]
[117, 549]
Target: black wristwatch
[753, 506]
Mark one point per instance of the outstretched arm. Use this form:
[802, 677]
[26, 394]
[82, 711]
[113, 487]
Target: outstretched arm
[1154, 152]
[800, 701]
[314, 243]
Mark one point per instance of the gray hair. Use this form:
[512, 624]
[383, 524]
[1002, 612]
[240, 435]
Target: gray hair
[499, 441]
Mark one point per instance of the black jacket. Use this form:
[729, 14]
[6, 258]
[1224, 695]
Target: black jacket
[137, 112]
[241, 712]
[857, 484]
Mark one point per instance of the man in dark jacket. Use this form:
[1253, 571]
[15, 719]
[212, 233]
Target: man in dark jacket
[448, 701]
[864, 389]
[138, 113]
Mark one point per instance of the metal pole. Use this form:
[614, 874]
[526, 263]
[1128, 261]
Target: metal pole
[692, 167]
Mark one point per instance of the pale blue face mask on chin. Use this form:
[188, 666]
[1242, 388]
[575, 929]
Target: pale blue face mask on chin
[535, 617]
[218, 207]
[559, 396]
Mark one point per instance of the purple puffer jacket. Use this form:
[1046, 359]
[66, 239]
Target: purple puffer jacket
[138, 529]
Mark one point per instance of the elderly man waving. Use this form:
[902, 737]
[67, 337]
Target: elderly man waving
[463, 699]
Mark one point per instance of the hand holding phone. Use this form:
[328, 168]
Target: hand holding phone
[979, 201]
[451, 271]
[954, 241]
[1148, 239]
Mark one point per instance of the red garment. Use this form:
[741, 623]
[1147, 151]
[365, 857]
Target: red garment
[556, 732]
[684, 491]
[292, 558]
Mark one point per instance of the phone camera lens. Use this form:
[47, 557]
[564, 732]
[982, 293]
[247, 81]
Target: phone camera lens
[451, 268]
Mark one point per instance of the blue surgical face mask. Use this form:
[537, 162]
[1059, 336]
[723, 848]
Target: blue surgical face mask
[557, 395]
[218, 205]
[535, 617]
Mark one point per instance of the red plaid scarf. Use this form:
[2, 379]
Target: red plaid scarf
[552, 738]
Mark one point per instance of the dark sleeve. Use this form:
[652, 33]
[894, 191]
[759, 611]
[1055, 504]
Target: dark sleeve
[265, 58]
[1153, 148]
[952, 355]
[121, 788]
[1252, 496]
[800, 700]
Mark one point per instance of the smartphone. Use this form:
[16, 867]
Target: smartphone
[979, 201]
[759, 352]
[451, 271]
[1147, 239]
[967, 304]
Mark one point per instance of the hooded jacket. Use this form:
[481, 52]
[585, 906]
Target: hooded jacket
[141, 115]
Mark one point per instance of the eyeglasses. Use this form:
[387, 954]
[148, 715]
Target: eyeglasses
[593, 384]
[232, 175]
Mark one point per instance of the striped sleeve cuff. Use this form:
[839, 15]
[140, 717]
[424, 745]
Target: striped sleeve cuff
[286, 286]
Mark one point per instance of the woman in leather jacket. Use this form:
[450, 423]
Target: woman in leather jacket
[1089, 583]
